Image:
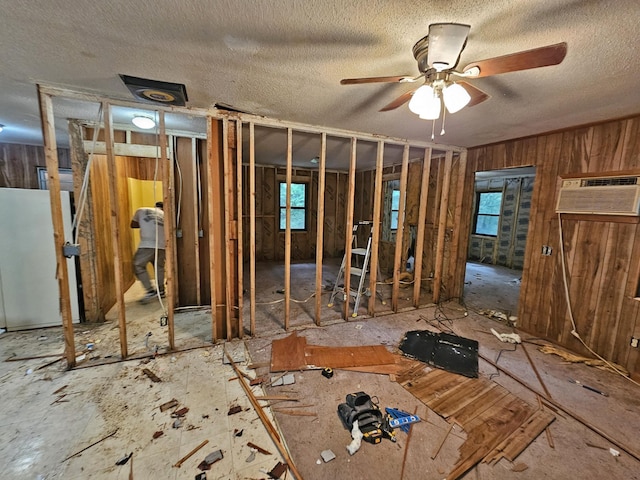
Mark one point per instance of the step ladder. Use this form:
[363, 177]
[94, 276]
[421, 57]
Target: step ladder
[358, 270]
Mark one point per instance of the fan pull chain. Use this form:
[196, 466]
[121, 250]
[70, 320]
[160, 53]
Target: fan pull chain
[444, 115]
[433, 129]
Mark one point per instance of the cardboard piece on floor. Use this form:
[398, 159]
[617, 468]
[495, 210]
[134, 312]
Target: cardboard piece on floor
[443, 350]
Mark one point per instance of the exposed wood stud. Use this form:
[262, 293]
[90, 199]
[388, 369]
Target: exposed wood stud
[397, 260]
[227, 225]
[422, 220]
[169, 228]
[349, 229]
[442, 227]
[196, 215]
[211, 163]
[51, 158]
[80, 164]
[375, 234]
[458, 254]
[252, 225]
[240, 261]
[320, 226]
[115, 230]
[287, 235]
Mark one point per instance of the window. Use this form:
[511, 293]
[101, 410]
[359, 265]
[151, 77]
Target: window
[298, 206]
[487, 213]
[395, 208]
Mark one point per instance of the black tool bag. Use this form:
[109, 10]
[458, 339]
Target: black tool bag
[360, 407]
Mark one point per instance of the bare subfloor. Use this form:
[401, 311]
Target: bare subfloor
[50, 413]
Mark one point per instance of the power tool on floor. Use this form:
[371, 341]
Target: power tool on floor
[373, 424]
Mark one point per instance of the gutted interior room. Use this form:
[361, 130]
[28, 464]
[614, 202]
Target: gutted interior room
[234, 247]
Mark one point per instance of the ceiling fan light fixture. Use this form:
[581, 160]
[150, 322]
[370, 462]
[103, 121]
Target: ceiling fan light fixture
[143, 122]
[421, 99]
[455, 97]
[432, 112]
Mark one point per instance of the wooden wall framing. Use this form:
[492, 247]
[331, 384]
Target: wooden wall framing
[223, 177]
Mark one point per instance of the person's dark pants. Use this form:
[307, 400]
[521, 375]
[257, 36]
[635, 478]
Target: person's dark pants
[142, 257]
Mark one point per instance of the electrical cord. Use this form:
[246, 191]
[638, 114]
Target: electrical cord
[574, 330]
[85, 180]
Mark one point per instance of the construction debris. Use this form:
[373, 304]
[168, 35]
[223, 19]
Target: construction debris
[170, 404]
[259, 449]
[188, 455]
[151, 375]
[507, 337]
[210, 459]
[592, 362]
[327, 455]
[234, 409]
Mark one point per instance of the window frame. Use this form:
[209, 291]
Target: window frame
[477, 214]
[282, 208]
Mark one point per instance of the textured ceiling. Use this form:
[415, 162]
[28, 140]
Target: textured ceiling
[285, 58]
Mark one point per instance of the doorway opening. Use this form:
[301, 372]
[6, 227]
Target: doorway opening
[499, 227]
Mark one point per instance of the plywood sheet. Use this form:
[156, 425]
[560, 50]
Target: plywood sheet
[288, 353]
[338, 357]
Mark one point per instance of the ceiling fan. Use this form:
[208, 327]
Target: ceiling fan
[438, 55]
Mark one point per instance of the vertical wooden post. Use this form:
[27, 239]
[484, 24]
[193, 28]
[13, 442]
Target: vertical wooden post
[456, 254]
[287, 234]
[227, 224]
[171, 180]
[112, 173]
[442, 227]
[169, 227]
[320, 226]
[85, 225]
[239, 221]
[51, 158]
[211, 164]
[252, 225]
[375, 234]
[400, 232]
[422, 220]
[349, 229]
[196, 216]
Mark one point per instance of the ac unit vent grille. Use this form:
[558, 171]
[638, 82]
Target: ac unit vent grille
[603, 182]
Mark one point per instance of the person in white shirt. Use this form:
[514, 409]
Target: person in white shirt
[150, 221]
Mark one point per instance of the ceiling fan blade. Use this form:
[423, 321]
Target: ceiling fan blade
[446, 41]
[356, 81]
[538, 57]
[401, 100]
[477, 95]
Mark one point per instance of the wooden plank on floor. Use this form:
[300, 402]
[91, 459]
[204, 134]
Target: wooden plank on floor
[432, 385]
[288, 353]
[452, 409]
[338, 357]
[401, 365]
[527, 433]
[481, 403]
[487, 430]
[451, 397]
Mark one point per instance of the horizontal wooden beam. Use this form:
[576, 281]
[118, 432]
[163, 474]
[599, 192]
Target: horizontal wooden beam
[257, 120]
[124, 149]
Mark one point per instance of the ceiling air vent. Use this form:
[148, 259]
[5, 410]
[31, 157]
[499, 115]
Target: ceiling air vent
[154, 91]
[618, 195]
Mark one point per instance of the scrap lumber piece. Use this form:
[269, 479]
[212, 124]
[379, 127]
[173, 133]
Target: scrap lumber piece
[444, 438]
[275, 437]
[287, 354]
[400, 366]
[259, 449]
[481, 403]
[190, 454]
[88, 447]
[406, 447]
[488, 430]
[520, 439]
[338, 357]
[295, 413]
[151, 375]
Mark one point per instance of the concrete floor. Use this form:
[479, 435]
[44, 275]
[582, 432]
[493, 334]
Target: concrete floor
[39, 432]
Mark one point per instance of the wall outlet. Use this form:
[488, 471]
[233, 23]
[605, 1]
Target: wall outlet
[635, 342]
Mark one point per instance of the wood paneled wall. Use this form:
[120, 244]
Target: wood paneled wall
[18, 164]
[269, 238]
[601, 256]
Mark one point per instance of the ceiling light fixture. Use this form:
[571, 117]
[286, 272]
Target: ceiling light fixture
[426, 102]
[143, 122]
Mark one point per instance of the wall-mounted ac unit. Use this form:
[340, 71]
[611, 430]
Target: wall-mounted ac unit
[619, 195]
